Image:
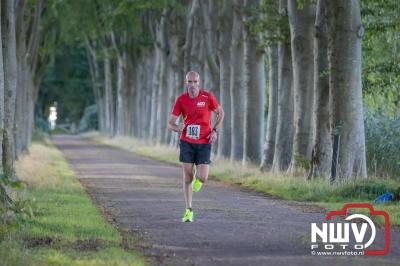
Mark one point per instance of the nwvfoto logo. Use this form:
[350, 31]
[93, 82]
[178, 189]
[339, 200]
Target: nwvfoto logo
[337, 235]
[201, 104]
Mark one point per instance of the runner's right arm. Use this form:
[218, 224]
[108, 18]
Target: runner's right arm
[172, 124]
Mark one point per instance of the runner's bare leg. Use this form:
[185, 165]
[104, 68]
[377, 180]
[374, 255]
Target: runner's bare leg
[187, 183]
[202, 172]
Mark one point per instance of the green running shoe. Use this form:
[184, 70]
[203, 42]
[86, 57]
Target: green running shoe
[188, 216]
[196, 184]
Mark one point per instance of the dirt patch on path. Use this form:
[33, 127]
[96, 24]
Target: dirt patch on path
[232, 226]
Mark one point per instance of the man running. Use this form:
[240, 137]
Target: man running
[197, 135]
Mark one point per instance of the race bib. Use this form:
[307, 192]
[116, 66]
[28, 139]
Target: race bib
[193, 131]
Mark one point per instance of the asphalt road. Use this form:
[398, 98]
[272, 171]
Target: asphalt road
[232, 226]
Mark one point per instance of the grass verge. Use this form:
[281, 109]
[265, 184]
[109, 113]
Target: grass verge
[67, 228]
[320, 192]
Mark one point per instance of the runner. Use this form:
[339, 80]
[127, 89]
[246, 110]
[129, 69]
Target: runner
[196, 135]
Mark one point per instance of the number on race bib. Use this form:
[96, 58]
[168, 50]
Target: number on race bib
[193, 131]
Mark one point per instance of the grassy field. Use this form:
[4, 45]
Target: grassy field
[321, 192]
[67, 228]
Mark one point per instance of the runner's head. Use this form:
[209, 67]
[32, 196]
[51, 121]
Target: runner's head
[192, 83]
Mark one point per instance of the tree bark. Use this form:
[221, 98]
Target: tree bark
[255, 89]
[163, 88]
[121, 95]
[269, 150]
[10, 85]
[322, 151]
[188, 60]
[109, 98]
[284, 132]
[209, 12]
[154, 93]
[224, 57]
[2, 85]
[237, 85]
[95, 77]
[345, 33]
[301, 23]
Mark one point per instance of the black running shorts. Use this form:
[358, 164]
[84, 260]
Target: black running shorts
[194, 153]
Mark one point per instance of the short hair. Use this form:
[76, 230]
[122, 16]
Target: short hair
[191, 72]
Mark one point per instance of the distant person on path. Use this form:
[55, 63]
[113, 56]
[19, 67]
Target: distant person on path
[196, 135]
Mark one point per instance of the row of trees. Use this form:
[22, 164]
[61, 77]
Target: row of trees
[305, 54]
[21, 68]
[138, 55]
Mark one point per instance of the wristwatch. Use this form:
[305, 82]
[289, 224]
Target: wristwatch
[216, 131]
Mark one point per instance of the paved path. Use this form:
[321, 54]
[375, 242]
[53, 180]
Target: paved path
[232, 226]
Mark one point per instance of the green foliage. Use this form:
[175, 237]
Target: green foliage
[382, 135]
[12, 209]
[271, 22]
[67, 82]
[381, 57]
[302, 161]
[301, 3]
[41, 123]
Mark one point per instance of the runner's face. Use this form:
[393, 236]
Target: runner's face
[192, 84]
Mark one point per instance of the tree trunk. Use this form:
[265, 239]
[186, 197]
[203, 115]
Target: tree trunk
[109, 98]
[177, 42]
[164, 88]
[154, 93]
[197, 51]
[238, 92]
[272, 108]
[150, 69]
[345, 34]
[193, 10]
[2, 84]
[121, 95]
[224, 57]
[10, 85]
[95, 77]
[322, 151]
[136, 96]
[209, 12]
[21, 113]
[301, 23]
[255, 89]
[284, 131]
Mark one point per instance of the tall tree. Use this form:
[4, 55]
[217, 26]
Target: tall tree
[237, 84]
[322, 150]
[254, 86]
[10, 82]
[284, 131]
[2, 84]
[109, 95]
[271, 22]
[345, 32]
[273, 82]
[301, 21]
[224, 58]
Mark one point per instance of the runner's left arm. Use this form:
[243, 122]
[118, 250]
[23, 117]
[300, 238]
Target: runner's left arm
[220, 116]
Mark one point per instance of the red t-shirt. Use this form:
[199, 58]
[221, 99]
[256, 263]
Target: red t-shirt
[196, 114]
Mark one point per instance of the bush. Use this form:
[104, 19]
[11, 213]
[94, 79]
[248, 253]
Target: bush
[382, 136]
[42, 124]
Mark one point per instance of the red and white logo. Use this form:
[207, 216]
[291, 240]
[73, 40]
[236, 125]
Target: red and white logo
[201, 104]
[335, 236]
